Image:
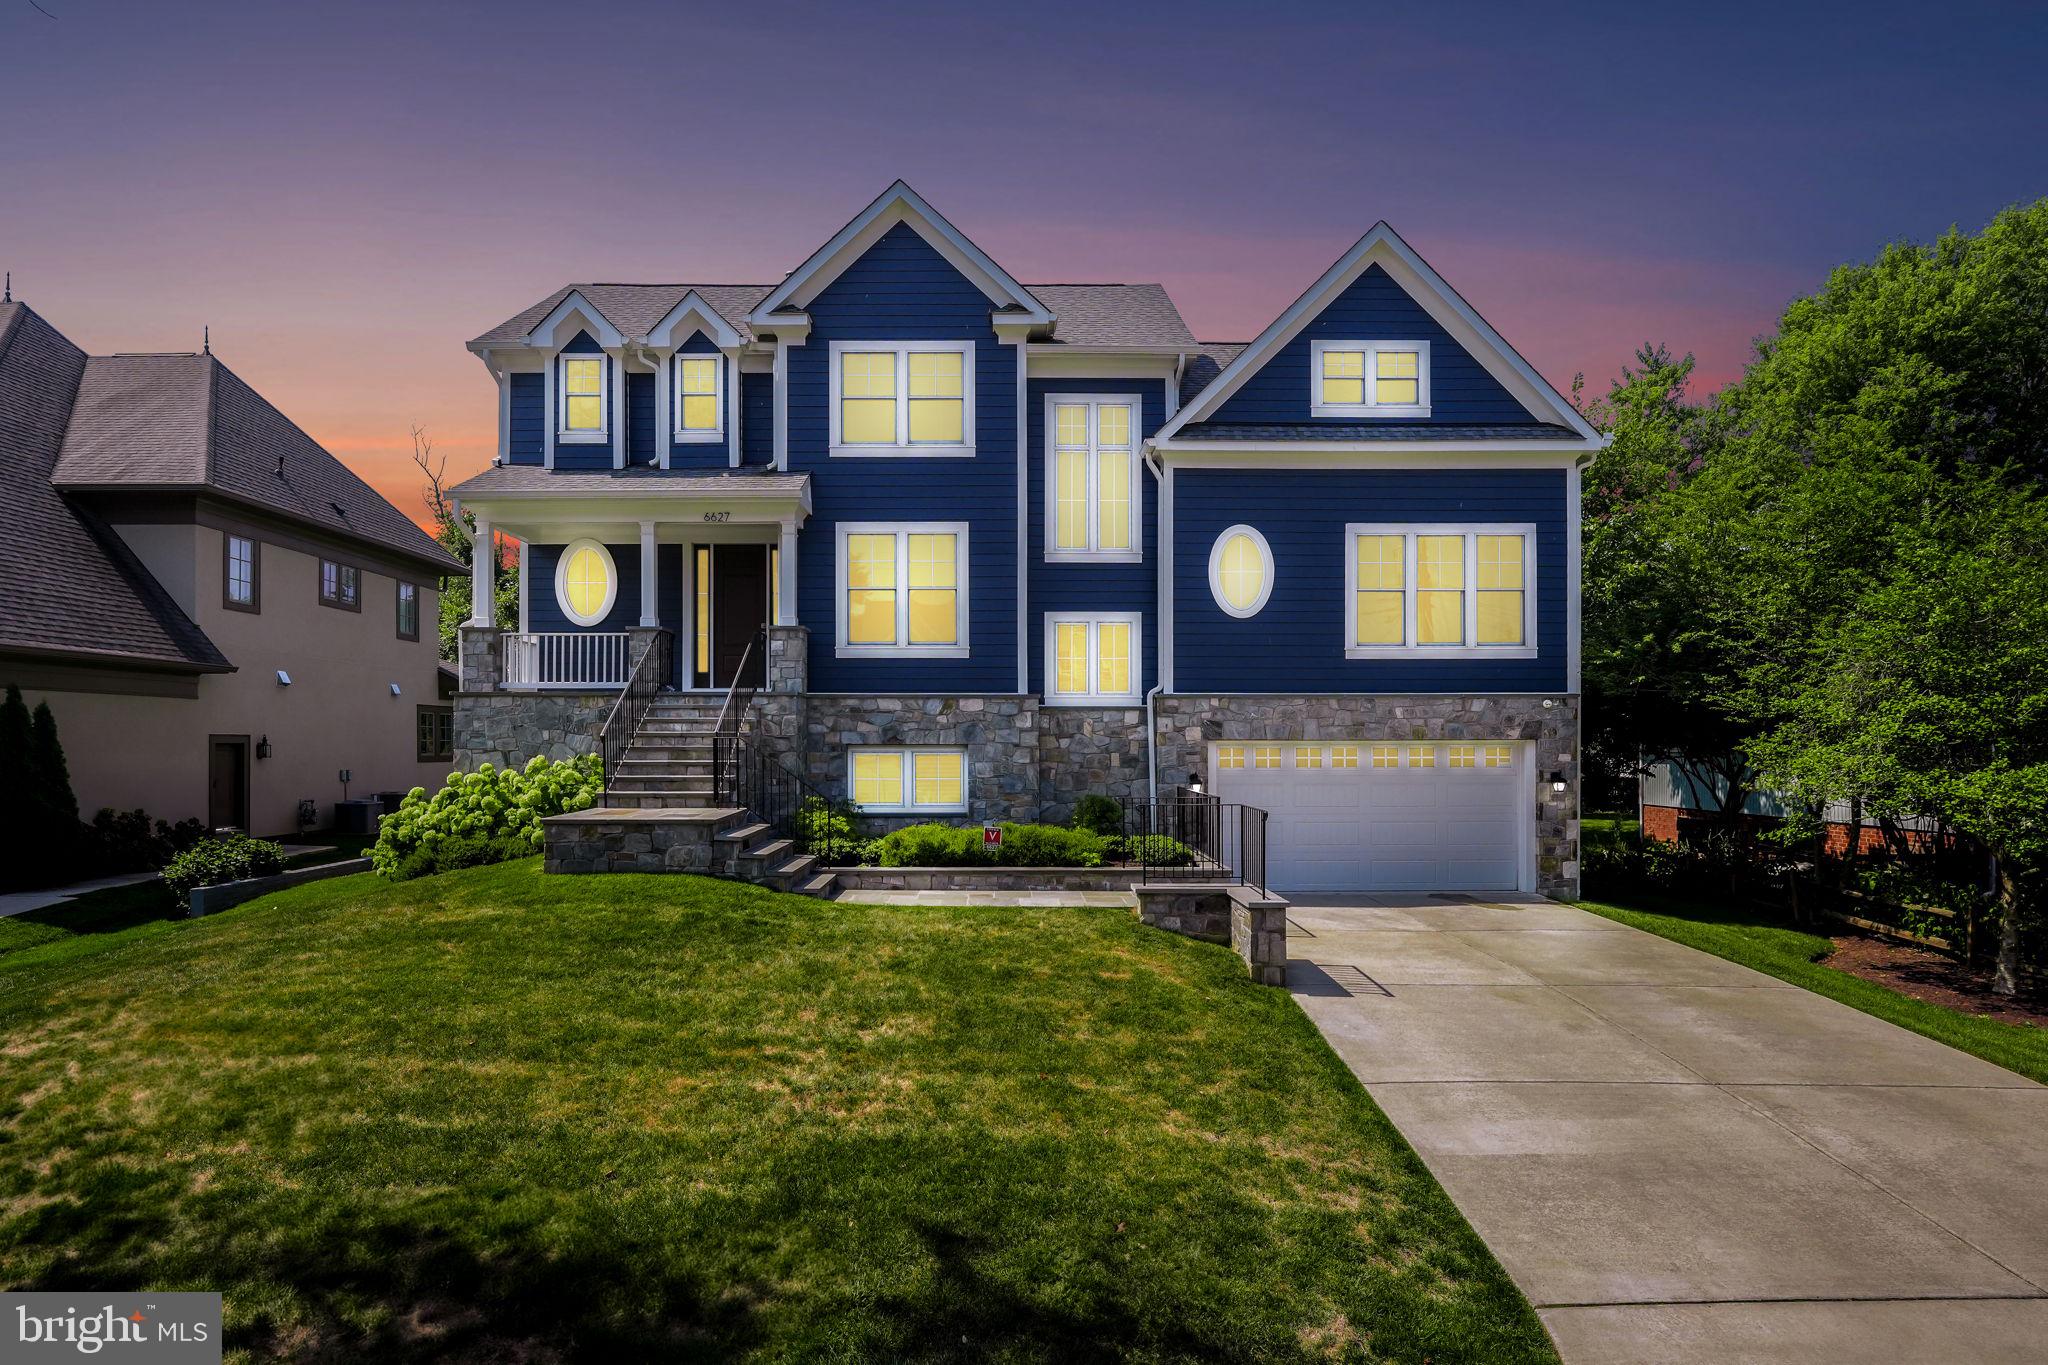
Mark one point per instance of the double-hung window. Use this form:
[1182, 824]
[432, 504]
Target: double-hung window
[1417, 590]
[902, 398]
[340, 585]
[408, 611]
[239, 586]
[1093, 660]
[903, 589]
[1091, 478]
[907, 780]
[699, 398]
[584, 402]
[1369, 378]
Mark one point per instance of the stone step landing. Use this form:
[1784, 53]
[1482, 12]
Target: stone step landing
[711, 841]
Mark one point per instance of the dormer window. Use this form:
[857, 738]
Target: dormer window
[700, 390]
[1369, 379]
[585, 405]
[902, 398]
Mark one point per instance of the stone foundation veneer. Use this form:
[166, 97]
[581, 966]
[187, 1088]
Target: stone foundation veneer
[1254, 923]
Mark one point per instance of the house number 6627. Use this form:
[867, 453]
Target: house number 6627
[718, 516]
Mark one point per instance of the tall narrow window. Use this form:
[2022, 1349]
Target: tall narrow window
[867, 405]
[1369, 379]
[698, 385]
[340, 585]
[1424, 588]
[902, 589]
[701, 662]
[1500, 590]
[934, 581]
[871, 589]
[1092, 659]
[239, 589]
[1380, 601]
[408, 611]
[1092, 484]
[1440, 590]
[935, 397]
[583, 398]
[902, 398]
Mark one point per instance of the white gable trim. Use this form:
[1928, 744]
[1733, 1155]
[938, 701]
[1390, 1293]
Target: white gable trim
[693, 314]
[1383, 247]
[572, 315]
[900, 204]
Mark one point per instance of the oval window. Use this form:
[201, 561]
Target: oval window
[585, 582]
[1241, 571]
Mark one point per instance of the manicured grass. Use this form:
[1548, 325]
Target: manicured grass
[1610, 828]
[494, 1115]
[1756, 938]
[90, 923]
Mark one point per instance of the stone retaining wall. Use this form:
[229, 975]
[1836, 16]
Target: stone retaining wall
[508, 728]
[1084, 749]
[648, 841]
[1253, 923]
[985, 878]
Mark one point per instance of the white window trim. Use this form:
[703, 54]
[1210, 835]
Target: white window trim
[1369, 408]
[902, 530]
[903, 448]
[611, 591]
[906, 755]
[228, 584]
[1094, 401]
[716, 433]
[1216, 567]
[1093, 620]
[564, 436]
[1411, 650]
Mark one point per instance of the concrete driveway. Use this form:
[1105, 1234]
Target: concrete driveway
[1679, 1159]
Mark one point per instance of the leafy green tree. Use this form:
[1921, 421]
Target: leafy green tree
[457, 534]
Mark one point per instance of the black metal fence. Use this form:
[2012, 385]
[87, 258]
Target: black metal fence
[649, 671]
[746, 776]
[1192, 836]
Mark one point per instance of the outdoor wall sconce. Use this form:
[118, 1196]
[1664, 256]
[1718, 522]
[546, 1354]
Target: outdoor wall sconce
[394, 689]
[284, 679]
[1557, 782]
[263, 747]
[1195, 783]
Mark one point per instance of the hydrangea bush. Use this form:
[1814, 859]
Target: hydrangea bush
[485, 816]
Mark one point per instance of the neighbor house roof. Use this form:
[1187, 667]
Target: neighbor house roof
[70, 585]
[162, 423]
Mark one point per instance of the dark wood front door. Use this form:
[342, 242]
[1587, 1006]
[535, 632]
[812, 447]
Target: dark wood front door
[227, 783]
[739, 608]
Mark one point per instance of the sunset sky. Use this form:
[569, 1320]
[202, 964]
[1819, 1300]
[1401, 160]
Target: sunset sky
[347, 192]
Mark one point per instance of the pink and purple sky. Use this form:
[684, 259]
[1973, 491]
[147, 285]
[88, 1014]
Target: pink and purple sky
[347, 192]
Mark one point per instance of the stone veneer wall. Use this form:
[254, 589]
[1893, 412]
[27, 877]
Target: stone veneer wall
[999, 733]
[506, 729]
[1189, 724]
[1084, 749]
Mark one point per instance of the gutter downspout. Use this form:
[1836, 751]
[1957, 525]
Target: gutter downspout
[1163, 517]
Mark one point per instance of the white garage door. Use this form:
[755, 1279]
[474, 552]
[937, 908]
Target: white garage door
[1385, 817]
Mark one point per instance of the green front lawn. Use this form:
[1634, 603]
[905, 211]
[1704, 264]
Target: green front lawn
[493, 1115]
[1757, 938]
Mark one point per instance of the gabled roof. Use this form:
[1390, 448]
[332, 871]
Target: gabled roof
[1382, 246]
[163, 423]
[72, 589]
[901, 204]
[635, 309]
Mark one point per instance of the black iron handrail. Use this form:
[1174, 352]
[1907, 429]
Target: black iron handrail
[748, 777]
[1188, 835]
[740, 695]
[626, 713]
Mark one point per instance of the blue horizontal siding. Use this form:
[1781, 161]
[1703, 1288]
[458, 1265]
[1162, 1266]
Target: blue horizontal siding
[698, 454]
[640, 449]
[1093, 587]
[1296, 643]
[544, 610]
[903, 290]
[527, 442]
[1374, 308]
[757, 423]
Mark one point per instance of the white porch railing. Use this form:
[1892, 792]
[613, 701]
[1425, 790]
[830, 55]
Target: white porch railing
[593, 658]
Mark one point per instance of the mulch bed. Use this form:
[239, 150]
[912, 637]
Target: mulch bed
[1927, 975]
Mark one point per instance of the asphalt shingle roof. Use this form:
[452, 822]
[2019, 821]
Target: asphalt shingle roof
[634, 308]
[67, 582]
[189, 422]
[1203, 367]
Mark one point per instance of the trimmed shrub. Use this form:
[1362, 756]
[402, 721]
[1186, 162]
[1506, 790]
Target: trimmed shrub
[230, 859]
[1153, 850]
[826, 829]
[492, 810]
[1099, 814]
[953, 846]
[129, 841]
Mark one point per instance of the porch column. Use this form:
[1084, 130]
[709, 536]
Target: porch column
[650, 612]
[785, 600]
[483, 581]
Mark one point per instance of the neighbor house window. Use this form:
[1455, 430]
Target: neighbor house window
[435, 731]
[902, 398]
[1241, 571]
[1369, 378]
[240, 589]
[1092, 486]
[408, 611]
[1416, 589]
[586, 582]
[902, 589]
[585, 404]
[1092, 659]
[340, 585]
[907, 780]
[699, 392]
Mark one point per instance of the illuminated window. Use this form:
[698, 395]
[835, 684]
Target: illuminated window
[1092, 478]
[1369, 379]
[1092, 658]
[700, 386]
[1230, 755]
[585, 404]
[1307, 757]
[907, 779]
[1421, 756]
[702, 648]
[1344, 756]
[1386, 755]
[1417, 589]
[1500, 755]
[1241, 571]
[586, 583]
[901, 589]
[1464, 755]
[902, 398]
[1265, 756]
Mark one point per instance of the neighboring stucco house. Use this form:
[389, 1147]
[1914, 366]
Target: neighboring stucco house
[1008, 544]
[222, 617]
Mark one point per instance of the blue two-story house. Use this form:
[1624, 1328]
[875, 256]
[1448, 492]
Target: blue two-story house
[983, 547]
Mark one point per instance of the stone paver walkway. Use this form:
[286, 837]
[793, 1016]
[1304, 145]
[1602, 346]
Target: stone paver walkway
[1679, 1159]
